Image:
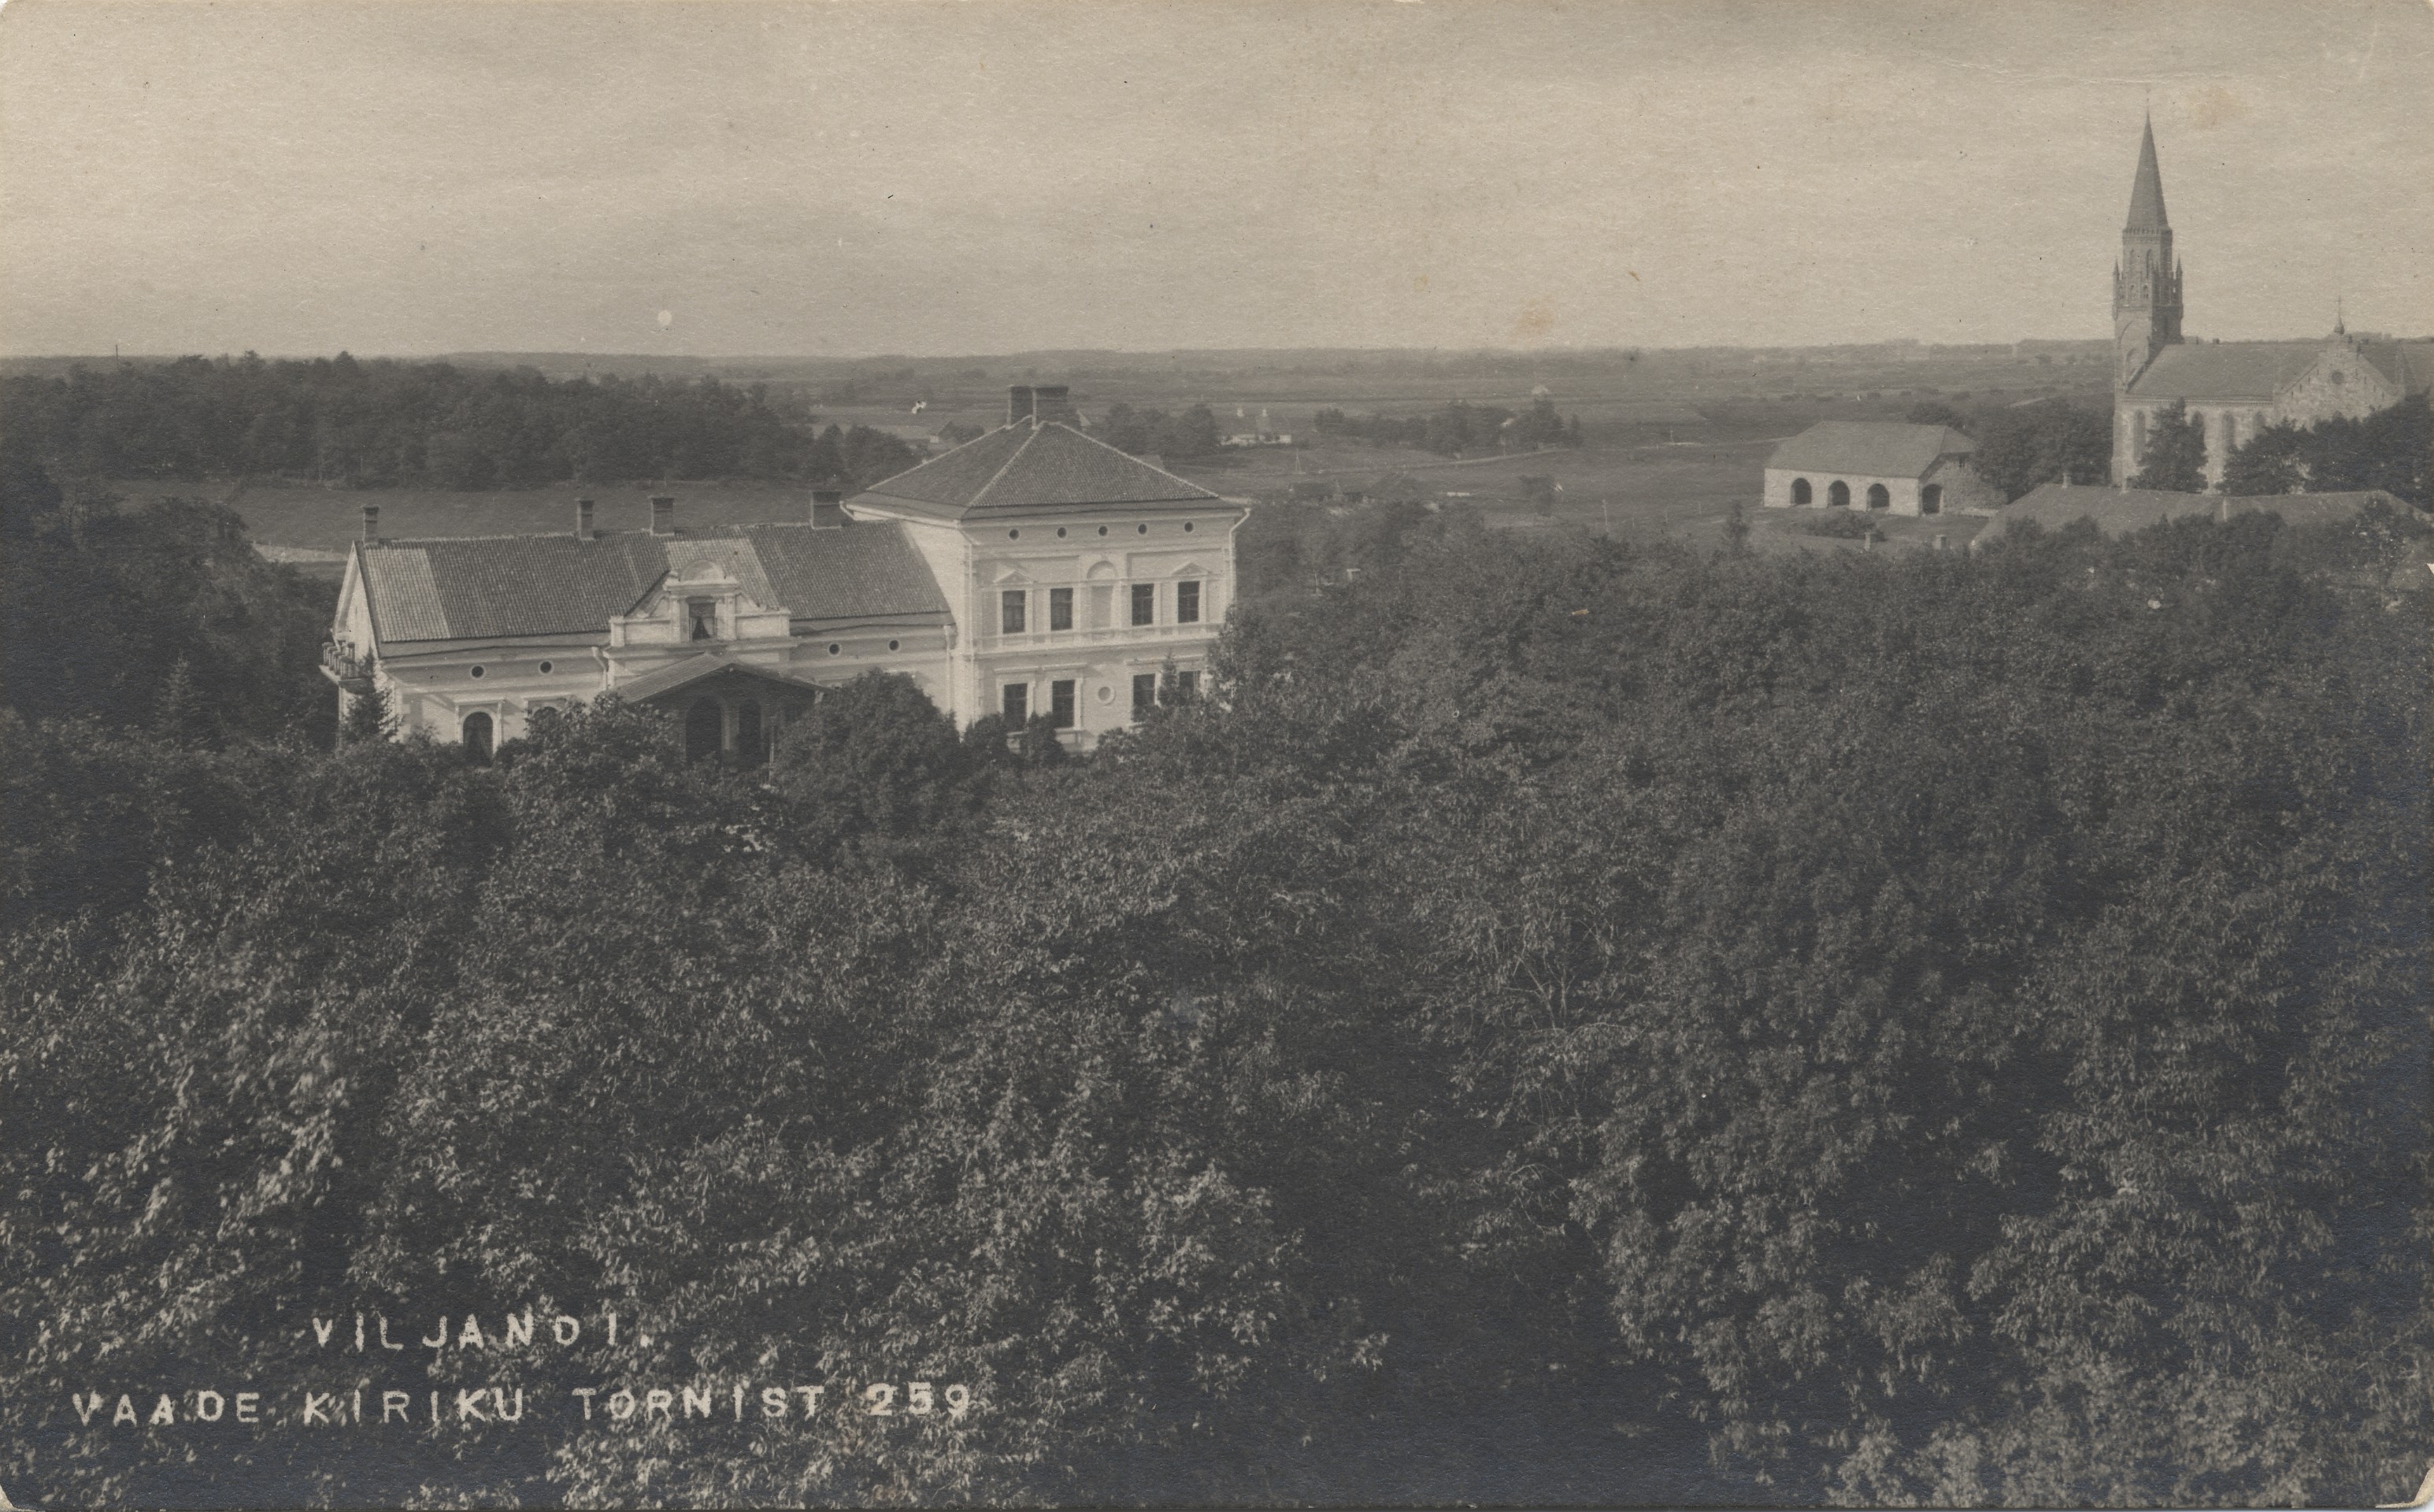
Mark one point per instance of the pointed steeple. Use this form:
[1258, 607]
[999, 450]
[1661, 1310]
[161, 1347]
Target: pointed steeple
[2147, 195]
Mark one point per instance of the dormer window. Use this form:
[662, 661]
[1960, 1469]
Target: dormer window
[701, 617]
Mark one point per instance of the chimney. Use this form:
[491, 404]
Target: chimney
[1018, 403]
[827, 509]
[371, 521]
[1049, 402]
[663, 514]
[582, 519]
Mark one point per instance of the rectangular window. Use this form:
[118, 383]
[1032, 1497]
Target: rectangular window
[1017, 704]
[1144, 691]
[1186, 686]
[1187, 602]
[1144, 603]
[1010, 611]
[1060, 608]
[702, 614]
[1060, 705]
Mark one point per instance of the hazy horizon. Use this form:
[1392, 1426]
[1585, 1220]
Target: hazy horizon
[743, 182]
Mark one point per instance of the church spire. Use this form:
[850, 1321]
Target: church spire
[2147, 194]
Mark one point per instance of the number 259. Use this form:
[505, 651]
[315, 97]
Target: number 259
[919, 1400]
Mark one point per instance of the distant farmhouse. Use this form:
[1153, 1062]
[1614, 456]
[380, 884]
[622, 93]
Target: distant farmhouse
[1259, 432]
[1032, 571]
[2234, 389]
[1901, 469]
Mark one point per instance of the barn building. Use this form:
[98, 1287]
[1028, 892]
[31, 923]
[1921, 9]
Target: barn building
[1877, 465]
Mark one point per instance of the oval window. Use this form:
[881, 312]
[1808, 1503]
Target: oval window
[834, 648]
[475, 673]
[1060, 532]
[891, 646]
[1143, 529]
[1102, 530]
[1014, 534]
[546, 667]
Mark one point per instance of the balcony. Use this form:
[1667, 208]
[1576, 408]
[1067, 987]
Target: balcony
[340, 664]
[1113, 635]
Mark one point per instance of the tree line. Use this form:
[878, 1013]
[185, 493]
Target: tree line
[1458, 429]
[1562, 1020]
[386, 423]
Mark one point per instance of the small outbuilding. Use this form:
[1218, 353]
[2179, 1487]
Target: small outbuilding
[1878, 465]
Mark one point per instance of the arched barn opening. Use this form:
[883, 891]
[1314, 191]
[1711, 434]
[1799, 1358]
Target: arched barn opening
[1931, 499]
[1879, 497]
[1838, 495]
[1800, 490]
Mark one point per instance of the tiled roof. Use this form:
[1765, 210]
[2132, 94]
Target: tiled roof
[1870, 448]
[2119, 511]
[2230, 370]
[2258, 370]
[500, 587]
[2147, 194]
[1028, 467]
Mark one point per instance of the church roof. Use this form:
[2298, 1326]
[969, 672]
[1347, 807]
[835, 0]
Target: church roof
[2260, 369]
[1879, 449]
[502, 586]
[2121, 511]
[1028, 467]
[2146, 193]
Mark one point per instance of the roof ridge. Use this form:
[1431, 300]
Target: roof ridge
[1013, 456]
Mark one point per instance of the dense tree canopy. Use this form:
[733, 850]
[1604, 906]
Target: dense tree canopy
[2391, 450]
[1929, 1029]
[384, 422]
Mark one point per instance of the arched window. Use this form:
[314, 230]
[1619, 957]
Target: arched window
[1879, 497]
[705, 729]
[478, 735]
[1931, 499]
[1838, 495]
[751, 746]
[1800, 491]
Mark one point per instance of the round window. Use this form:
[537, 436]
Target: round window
[1102, 530]
[1060, 532]
[546, 667]
[891, 646]
[1014, 534]
[2339, 377]
[1187, 528]
[1141, 529]
[834, 648]
[476, 672]
[1106, 694]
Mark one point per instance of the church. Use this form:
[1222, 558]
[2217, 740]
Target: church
[1031, 571]
[2231, 389]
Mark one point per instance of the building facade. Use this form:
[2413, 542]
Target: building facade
[2231, 389]
[1865, 465]
[1032, 571]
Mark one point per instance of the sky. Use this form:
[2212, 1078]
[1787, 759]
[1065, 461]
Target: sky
[723, 177]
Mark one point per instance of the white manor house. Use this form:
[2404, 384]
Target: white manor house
[1032, 571]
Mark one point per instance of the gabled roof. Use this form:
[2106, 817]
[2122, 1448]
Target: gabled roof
[694, 669]
[2121, 511]
[2258, 370]
[2230, 370]
[1028, 467]
[2146, 193]
[502, 587]
[1879, 449]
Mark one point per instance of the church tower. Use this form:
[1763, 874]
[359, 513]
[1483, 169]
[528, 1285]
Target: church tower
[2146, 283]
